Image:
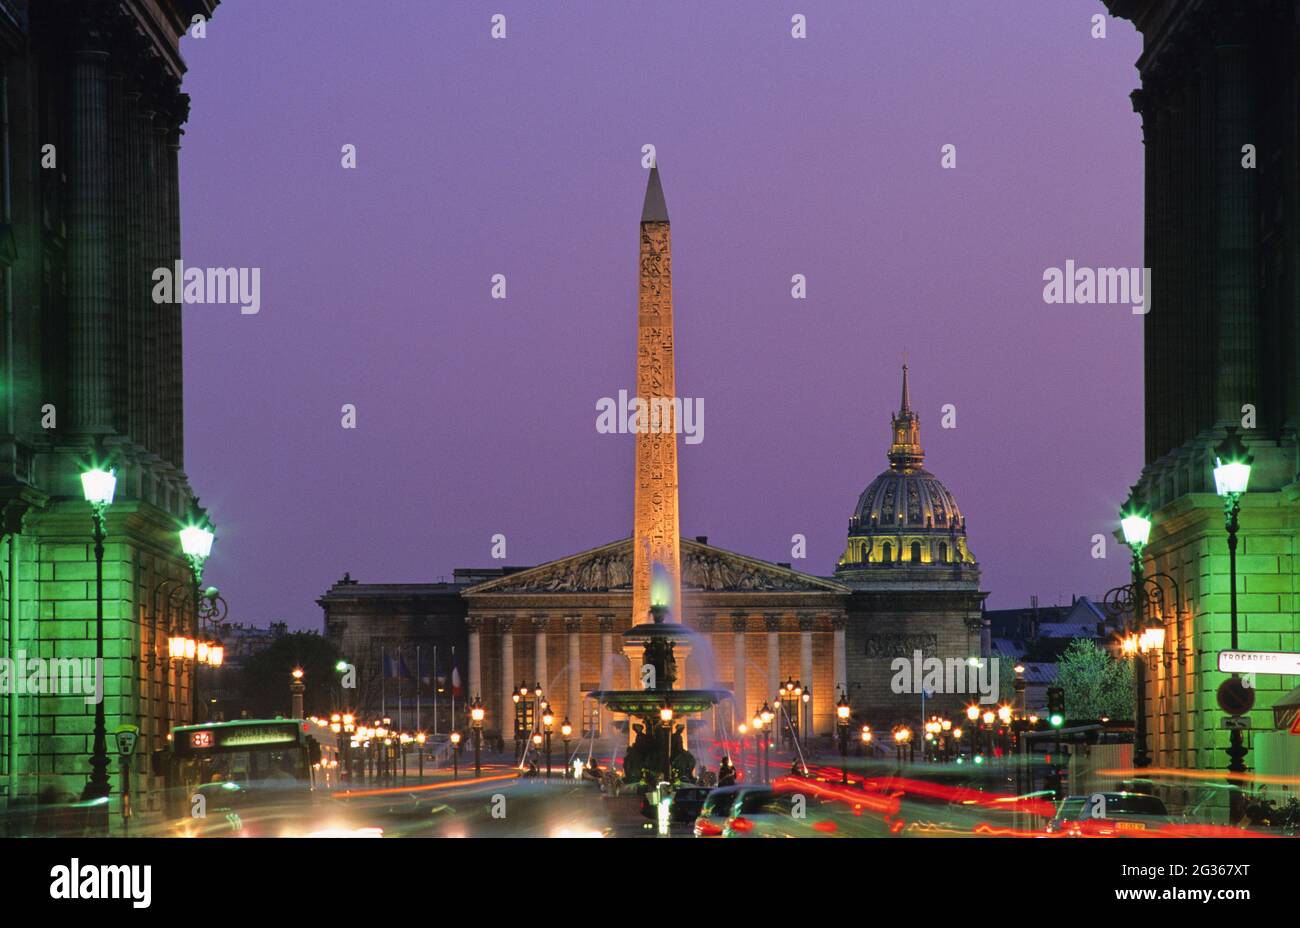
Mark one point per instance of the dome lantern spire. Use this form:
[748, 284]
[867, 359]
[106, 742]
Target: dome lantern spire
[905, 452]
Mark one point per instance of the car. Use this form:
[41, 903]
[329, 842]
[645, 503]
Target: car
[685, 807]
[1109, 815]
[715, 810]
[762, 812]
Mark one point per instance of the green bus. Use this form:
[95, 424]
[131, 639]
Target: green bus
[222, 768]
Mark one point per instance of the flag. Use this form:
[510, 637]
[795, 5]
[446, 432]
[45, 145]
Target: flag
[455, 681]
[389, 669]
[402, 668]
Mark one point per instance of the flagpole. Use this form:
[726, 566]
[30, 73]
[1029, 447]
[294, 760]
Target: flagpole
[451, 679]
[383, 682]
[435, 689]
[400, 726]
[418, 694]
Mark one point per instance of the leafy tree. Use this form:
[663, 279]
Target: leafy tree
[1095, 683]
[267, 674]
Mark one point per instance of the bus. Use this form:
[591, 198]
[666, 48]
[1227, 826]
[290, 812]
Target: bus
[222, 770]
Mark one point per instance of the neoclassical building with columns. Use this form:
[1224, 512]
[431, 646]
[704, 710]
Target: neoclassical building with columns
[561, 623]
[906, 582]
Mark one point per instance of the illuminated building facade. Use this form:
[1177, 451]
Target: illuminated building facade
[1217, 103]
[88, 167]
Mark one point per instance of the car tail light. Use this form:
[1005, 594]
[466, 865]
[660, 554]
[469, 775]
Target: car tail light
[707, 829]
[826, 826]
[740, 824]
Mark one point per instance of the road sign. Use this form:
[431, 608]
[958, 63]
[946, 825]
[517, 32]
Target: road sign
[1259, 662]
[1235, 721]
[1235, 697]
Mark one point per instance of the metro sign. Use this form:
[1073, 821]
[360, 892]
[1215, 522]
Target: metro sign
[1285, 662]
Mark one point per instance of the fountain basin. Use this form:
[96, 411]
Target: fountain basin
[649, 702]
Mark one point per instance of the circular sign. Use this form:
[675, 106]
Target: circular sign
[1235, 698]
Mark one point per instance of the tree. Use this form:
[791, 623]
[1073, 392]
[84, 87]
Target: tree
[1095, 683]
[267, 674]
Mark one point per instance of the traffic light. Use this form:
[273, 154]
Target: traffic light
[1055, 706]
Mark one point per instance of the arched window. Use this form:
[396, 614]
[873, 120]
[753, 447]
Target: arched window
[884, 553]
[916, 552]
[943, 552]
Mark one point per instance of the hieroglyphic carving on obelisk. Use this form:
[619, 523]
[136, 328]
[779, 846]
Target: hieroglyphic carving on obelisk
[655, 534]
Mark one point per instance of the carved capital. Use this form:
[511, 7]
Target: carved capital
[704, 623]
[839, 622]
[605, 623]
[807, 622]
[572, 624]
[772, 621]
[541, 623]
[739, 622]
[473, 624]
[506, 623]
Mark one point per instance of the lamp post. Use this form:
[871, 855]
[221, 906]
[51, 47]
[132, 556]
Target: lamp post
[666, 716]
[842, 712]
[767, 715]
[296, 690]
[742, 729]
[518, 698]
[973, 716]
[1232, 463]
[565, 731]
[455, 754]
[196, 544]
[1135, 523]
[756, 725]
[98, 486]
[476, 714]
[548, 720]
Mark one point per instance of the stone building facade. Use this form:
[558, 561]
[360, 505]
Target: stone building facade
[90, 200]
[915, 583]
[1221, 242]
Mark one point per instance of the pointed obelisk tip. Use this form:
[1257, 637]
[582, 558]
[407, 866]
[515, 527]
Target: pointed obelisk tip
[907, 395]
[654, 208]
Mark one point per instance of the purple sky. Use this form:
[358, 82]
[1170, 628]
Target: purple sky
[778, 156]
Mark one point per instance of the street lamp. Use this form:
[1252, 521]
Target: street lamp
[196, 544]
[565, 731]
[973, 716]
[842, 712]
[455, 755]
[666, 716]
[756, 726]
[548, 719]
[1232, 463]
[476, 713]
[98, 486]
[1135, 523]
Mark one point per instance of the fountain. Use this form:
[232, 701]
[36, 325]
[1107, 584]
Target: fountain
[659, 746]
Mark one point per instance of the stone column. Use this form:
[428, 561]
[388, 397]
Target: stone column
[89, 298]
[840, 660]
[539, 654]
[807, 623]
[772, 622]
[506, 714]
[741, 664]
[475, 626]
[606, 623]
[573, 697]
[1237, 280]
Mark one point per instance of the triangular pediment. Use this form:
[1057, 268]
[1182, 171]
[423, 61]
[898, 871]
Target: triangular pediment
[706, 568]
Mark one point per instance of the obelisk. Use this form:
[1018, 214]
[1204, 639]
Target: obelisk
[656, 533]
